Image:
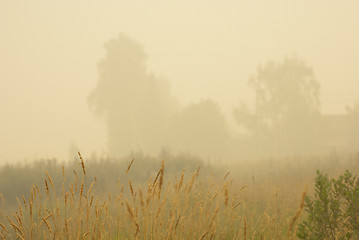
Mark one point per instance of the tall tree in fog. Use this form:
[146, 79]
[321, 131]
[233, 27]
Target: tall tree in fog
[134, 103]
[201, 129]
[286, 106]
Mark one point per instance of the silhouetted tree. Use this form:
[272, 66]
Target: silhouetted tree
[201, 129]
[135, 104]
[286, 106]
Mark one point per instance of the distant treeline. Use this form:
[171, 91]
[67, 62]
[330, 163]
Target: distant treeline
[285, 118]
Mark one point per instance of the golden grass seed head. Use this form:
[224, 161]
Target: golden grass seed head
[129, 166]
[132, 216]
[82, 163]
[50, 180]
[226, 194]
[299, 211]
[82, 187]
[225, 176]
[181, 180]
[131, 188]
[47, 188]
[3, 227]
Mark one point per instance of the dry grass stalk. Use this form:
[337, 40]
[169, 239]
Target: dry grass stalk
[171, 228]
[66, 198]
[47, 188]
[245, 228]
[214, 196]
[76, 180]
[30, 208]
[3, 227]
[297, 214]
[85, 234]
[91, 201]
[67, 225]
[2, 199]
[20, 236]
[159, 209]
[16, 228]
[82, 163]
[48, 216]
[90, 188]
[50, 180]
[177, 222]
[129, 166]
[155, 180]
[132, 217]
[161, 179]
[72, 191]
[181, 180]
[141, 201]
[63, 173]
[243, 187]
[214, 216]
[38, 191]
[34, 190]
[82, 187]
[18, 220]
[224, 178]
[20, 208]
[226, 195]
[47, 224]
[149, 193]
[236, 205]
[40, 210]
[193, 178]
[131, 189]
[203, 235]
[197, 171]
[24, 201]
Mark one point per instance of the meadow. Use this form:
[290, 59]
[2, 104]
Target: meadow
[166, 197]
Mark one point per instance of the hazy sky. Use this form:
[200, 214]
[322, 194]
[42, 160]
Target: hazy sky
[49, 52]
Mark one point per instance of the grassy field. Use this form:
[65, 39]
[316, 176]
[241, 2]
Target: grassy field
[146, 198]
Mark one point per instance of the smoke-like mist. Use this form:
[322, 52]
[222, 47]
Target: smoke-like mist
[228, 81]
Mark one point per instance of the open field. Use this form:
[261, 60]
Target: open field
[152, 199]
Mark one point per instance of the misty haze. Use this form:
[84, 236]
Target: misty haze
[179, 120]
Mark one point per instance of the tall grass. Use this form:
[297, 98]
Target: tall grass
[188, 205]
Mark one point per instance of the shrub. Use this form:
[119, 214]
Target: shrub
[333, 212]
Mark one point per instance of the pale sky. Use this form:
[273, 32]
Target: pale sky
[49, 52]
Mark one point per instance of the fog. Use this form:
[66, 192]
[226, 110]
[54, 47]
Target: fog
[111, 77]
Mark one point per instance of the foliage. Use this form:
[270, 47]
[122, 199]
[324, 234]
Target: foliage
[200, 128]
[141, 114]
[134, 103]
[286, 103]
[333, 212]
